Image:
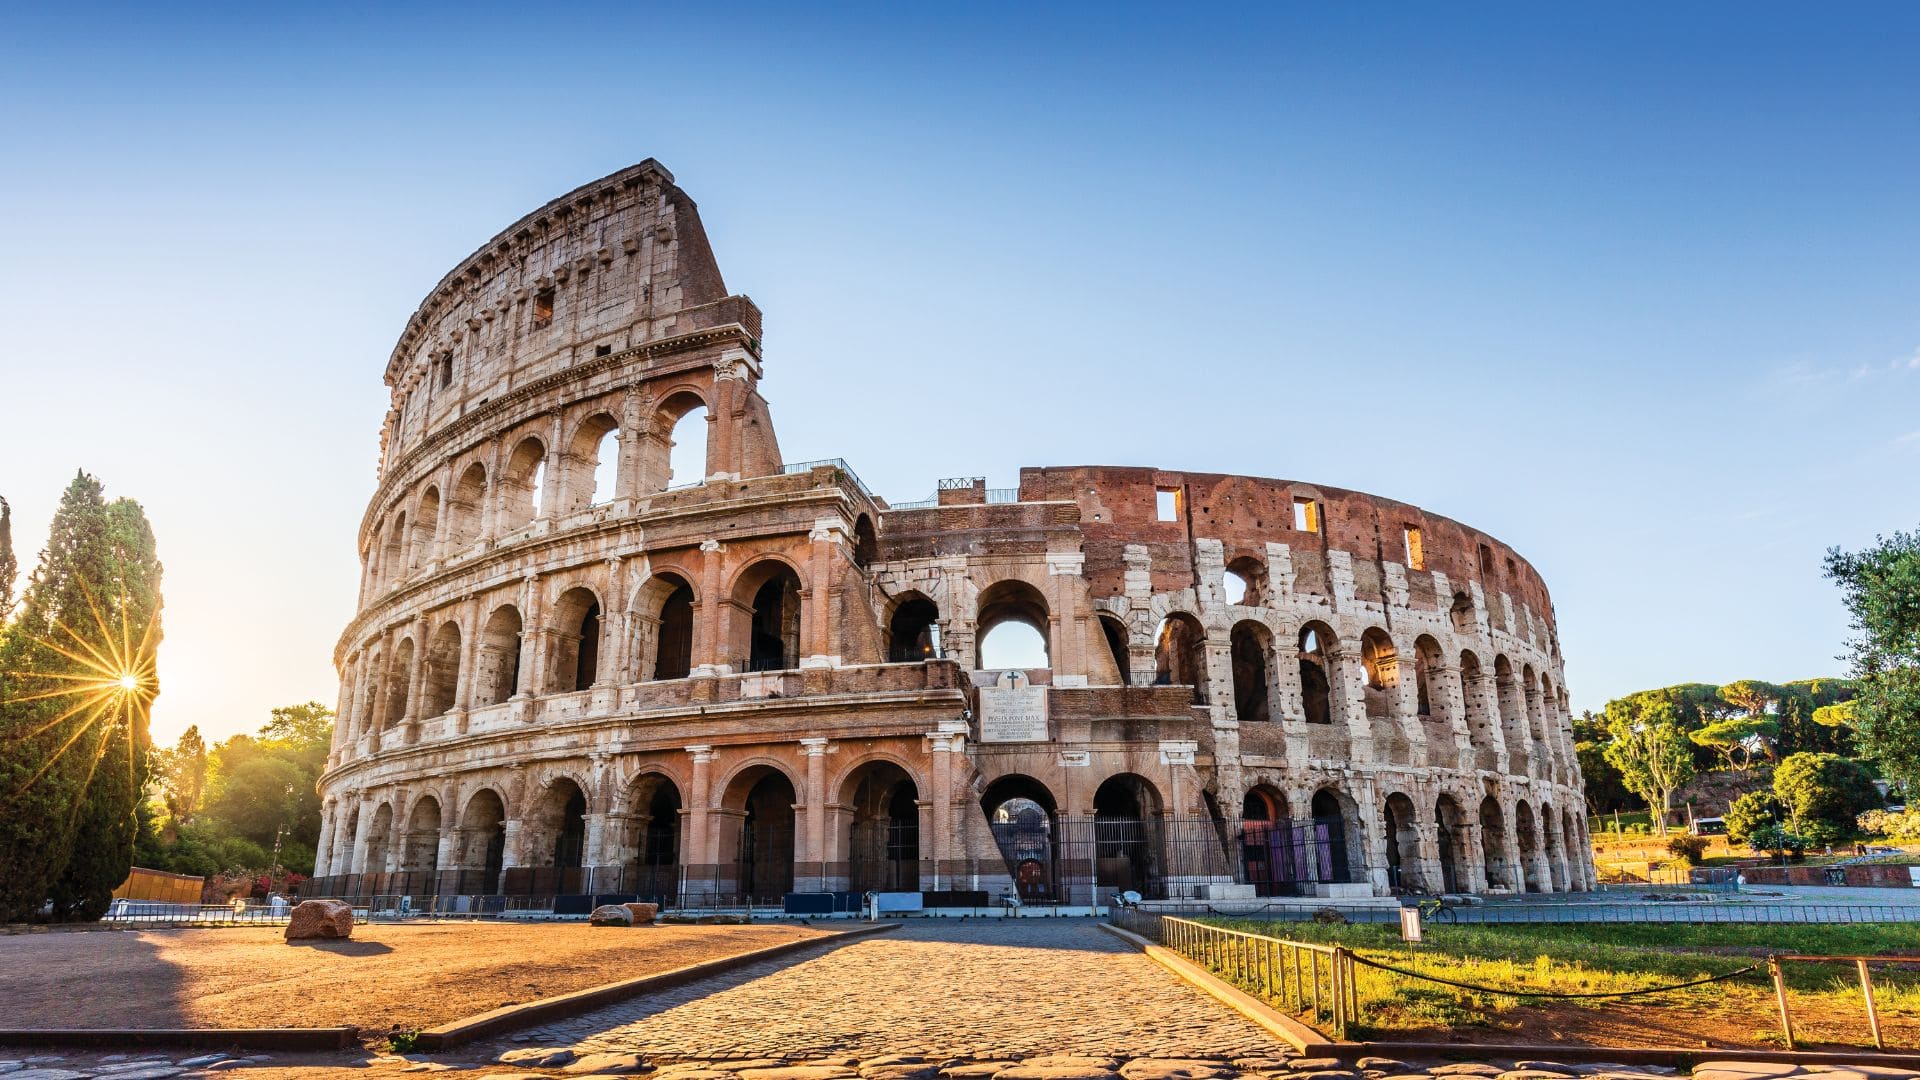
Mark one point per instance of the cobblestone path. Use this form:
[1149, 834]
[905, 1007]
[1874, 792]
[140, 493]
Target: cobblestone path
[975, 988]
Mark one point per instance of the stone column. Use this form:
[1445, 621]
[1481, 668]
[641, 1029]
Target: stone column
[697, 851]
[816, 618]
[1432, 877]
[323, 851]
[709, 626]
[1470, 853]
[1348, 694]
[815, 809]
[362, 833]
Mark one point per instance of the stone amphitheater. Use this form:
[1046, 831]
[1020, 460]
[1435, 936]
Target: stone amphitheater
[577, 670]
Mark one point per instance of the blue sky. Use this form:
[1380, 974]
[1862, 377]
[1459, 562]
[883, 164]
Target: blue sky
[1632, 288]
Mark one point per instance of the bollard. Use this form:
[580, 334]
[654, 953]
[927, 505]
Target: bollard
[1780, 995]
[1873, 1015]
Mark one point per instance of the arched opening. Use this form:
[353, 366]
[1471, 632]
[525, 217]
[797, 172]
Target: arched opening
[1512, 703]
[1316, 670]
[596, 461]
[394, 562]
[1550, 844]
[1179, 655]
[762, 854]
[1271, 847]
[1529, 840]
[1126, 840]
[1451, 822]
[377, 839]
[770, 591]
[399, 674]
[520, 488]
[687, 446]
[655, 869]
[1246, 582]
[1403, 845]
[913, 633]
[673, 627]
[864, 542]
[1426, 664]
[1330, 828]
[1020, 814]
[499, 660]
[576, 647]
[883, 829]
[469, 496]
[422, 852]
[485, 849]
[1573, 846]
[1381, 662]
[1493, 845]
[442, 682]
[1461, 614]
[1480, 720]
[425, 524]
[1251, 645]
[555, 842]
[1115, 633]
[1012, 625]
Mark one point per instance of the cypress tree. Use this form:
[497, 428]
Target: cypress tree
[9, 566]
[72, 741]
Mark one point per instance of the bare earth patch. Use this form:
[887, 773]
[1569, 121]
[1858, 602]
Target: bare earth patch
[407, 977]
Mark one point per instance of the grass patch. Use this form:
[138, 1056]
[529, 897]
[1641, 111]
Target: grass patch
[1605, 958]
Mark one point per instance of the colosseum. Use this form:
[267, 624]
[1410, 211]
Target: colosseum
[576, 672]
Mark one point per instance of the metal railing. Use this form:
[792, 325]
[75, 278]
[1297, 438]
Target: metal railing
[1866, 988]
[1003, 495]
[838, 463]
[1304, 978]
[917, 504]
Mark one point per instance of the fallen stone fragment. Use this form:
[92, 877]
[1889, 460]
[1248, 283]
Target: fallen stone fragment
[608, 1062]
[1175, 1069]
[610, 915]
[314, 920]
[539, 1057]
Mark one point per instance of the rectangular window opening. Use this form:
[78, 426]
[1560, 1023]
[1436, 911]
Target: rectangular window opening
[1166, 504]
[603, 350]
[446, 370]
[1416, 554]
[1486, 560]
[1513, 570]
[543, 309]
[1306, 515]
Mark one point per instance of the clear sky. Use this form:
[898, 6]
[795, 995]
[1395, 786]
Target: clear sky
[1633, 289]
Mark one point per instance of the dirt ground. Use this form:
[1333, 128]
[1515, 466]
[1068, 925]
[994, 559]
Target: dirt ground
[408, 977]
[1742, 1026]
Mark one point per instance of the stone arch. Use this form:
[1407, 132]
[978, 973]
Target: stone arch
[554, 829]
[1115, 633]
[426, 526]
[1338, 837]
[1575, 848]
[1482, 719]
[1450, 822]
[399, 674]
[1381, 662]
[377, 839]
[594, 464]
[681, 419]
[655, 830]
[576, 641]
[1528, 837]
[865, 543]
[1022, 816]
[1320, 697]
[1461, 614]
[465, 507]
[761, 796]
[1401, 830]
[1011, 602]
[498, 674]
[421, 851]
[1272, 848]
[483, 839]
[1551, 846]
[913, 629]
[393, 560]
[1498, 861]
[1512, 703]
[767, 615]
[1127, 843]
[1180, 654]
[1429, 701]
[1254, 692]
[665, 604]
[880, 805]
[520, 484]
[440, 684]
[1253, 588]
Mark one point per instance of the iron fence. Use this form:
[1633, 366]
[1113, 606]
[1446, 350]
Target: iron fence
[1306, 978]
[1571, 911]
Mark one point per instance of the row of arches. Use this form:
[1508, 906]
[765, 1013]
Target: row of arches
[588, 471]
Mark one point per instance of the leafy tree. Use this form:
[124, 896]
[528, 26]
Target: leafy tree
[182, 772]
[307, 727]
[72, 741]
[9, 565]
[1881, 587]
[1824, 795]
[1749, 812]
[1776, 839]
[1734, 737]
[1604, 789]
[1653, 755]
[1751, 696]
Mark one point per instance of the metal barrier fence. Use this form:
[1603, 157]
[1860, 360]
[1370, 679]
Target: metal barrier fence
[1573, 911]
[1305, 978]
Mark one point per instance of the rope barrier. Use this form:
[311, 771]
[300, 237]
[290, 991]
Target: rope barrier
[1358, 959]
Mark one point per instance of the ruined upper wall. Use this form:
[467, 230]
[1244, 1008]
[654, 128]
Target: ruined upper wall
[613, 264]
[1118, 507]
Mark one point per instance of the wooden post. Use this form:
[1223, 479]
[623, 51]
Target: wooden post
[1780, 995]
[1873, 1015]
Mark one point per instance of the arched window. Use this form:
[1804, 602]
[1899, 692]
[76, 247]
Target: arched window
[484, 854]
[394, 562]
[673, 643]
[1012, 626]
[1251, 644]
[469, 496]
[425, 524]
[1126, 844]
[913, 633]
[576, 661]
[399, 674]
[521, 487]
[1179, 655]
[864, 542]
[1116, 634]
[1382, 663]
[1247, 581]
[1462, 614]
[1020, 814]
[442, 681]
[499, 674]
[882, 812]
[1316, 670]
[687, 458]
[596, 462]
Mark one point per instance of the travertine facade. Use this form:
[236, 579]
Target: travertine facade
[765, 679]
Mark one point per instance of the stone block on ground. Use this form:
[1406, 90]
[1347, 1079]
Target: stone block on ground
[643, 914]
[539, 1057]
[1176, 1069]
[607, 1062]
[610, 915]
[319, 920]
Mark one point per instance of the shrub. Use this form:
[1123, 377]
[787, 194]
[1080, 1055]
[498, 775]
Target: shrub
[1903, 825]
[1775, 839]
[1823, 794]
[1690, 848]
[1750, 812]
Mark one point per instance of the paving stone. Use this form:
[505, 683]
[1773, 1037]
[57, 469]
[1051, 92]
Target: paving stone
[1887, 1072]
[144, 1072]
[1175, 1069]
[1466, 1068]
[227, 1065]
[46, 1073]
[1384, 1064]
[1310, 1064]
[799, 1072]
[888, 1059]
[11, 1066]
[1326, 1074]
[1534, 1074]
[607, 1062]
[1544, 1066]
[900, 1072]
[1056, 1072]
[540, 1057]
[975, 1070]
[202, 1059]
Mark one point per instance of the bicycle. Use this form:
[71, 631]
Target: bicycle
[1437, 909]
